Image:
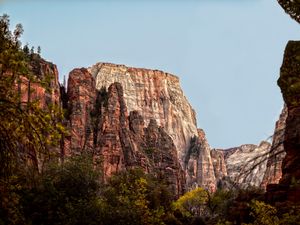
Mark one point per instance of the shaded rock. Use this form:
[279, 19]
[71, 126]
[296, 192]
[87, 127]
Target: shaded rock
[198, 164]
[274, 164]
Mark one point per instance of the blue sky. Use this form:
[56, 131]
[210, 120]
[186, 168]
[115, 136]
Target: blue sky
[227, 53]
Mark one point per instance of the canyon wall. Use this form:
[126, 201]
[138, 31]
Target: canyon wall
[100, 124]
[129, 117]
[288, 188]
[155, 95]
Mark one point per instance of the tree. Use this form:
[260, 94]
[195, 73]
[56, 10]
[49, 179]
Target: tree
[27, 130]
[292, 7]
[127, 199]
[192, 203]
[39, 50]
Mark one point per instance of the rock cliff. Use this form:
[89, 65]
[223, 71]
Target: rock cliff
[129, 117]
[274, 164]
[246, 165]
[288, 188]
[100, 123]
[198, 163]
[155, 95]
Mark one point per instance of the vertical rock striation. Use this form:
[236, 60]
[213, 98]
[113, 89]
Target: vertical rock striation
[246, 164]
[155, 95]
[274, 164]
[81, 98]
[198, 163]
[289, 82]
[99, 123]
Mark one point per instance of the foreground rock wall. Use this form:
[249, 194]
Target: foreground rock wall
[289, 82]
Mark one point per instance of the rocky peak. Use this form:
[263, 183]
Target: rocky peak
[155, 95]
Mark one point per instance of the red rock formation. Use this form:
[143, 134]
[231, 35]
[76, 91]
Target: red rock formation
[198, 164]
[45, 86]
[155, 95]
[219, 164]
[81, 97]
[289, 186]
[100, 124]
[274, 164]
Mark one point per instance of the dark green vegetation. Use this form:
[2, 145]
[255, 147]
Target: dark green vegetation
[292, 7]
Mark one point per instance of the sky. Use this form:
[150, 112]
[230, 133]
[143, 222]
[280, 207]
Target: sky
[227, 53]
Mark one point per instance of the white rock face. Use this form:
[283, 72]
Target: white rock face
[246, 165]
[156, 95]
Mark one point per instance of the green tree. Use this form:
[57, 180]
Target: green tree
[64, 194]
[192, 203]
[127, 200]
[27, 131]
[263, 213]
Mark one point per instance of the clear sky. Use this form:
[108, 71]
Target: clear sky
[227, 53]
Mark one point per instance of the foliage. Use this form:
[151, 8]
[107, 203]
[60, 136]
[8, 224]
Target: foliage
[292, 7]
[263, 213]
[131, 197]
[64, 194]
[27, 131]
[192, 203]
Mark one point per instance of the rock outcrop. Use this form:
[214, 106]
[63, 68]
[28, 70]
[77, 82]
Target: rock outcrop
[198, 163]
[45, 87]
[246, 165]
[288, 188]
[155, 95]
[129, 117]
[274, 164]
[100, 123]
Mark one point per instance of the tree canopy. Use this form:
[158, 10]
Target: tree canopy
[291, 7]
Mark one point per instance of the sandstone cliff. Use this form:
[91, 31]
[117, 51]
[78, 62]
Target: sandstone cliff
[198, 163]
[274, 164]
[100, 123]
[155, 95]
[289, 186]
[246, 165]
[146, 121]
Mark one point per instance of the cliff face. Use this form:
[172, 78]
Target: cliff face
[155, 95]
[100, 123]
[145, 121]
[274, 164]
[289, 186]
[246, 165]
[45, 87]
[198, 163]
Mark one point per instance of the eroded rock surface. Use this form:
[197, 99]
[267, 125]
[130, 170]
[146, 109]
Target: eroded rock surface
[246, 165]
[288, 188]
[198, 163]
[274, 164]
[155, 95]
